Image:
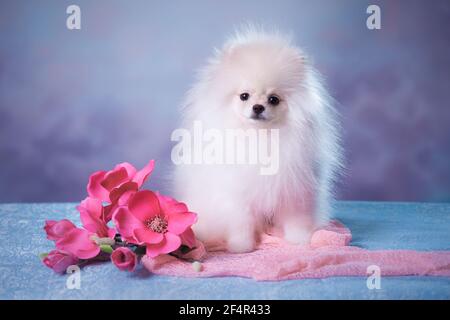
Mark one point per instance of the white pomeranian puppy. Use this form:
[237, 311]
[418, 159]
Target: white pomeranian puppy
[260, 80]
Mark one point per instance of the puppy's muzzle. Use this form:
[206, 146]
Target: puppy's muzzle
[258, 109]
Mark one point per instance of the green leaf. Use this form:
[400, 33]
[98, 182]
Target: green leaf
[43, 255]
[106, 248]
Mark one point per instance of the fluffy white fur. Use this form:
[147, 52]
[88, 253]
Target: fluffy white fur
[234, 202]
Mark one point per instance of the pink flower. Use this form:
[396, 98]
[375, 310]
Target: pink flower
[156, 221]
[188, 238]
[104, 185]
[169, 204]
[79, 243]
[197, 253]
[57, 229]
[59, 260]
[93, 218]
[124, 259]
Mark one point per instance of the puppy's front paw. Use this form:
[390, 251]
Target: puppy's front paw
[300, 236]
[240, 244]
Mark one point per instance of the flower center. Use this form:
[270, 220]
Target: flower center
[157, 224]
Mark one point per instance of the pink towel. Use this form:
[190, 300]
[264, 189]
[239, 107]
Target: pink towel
[328, 255]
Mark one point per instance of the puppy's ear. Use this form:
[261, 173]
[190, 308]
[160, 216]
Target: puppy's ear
[229, 53]
[233, 56]
[303, 57]
[299, 55]
[297, 59]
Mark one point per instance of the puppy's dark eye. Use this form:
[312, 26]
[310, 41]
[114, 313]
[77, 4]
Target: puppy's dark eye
[273, 100]
[244, 96]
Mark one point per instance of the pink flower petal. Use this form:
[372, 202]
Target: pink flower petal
[126, 223]
[131, 170]
[198, 252]
[108, 212]
[112, 233]
[94, 187]
[141, 176]
[125, 197]
[179, 222]
[94, 225]
[91, 215]
[171, 242]
[57, 229]
[117, 193]
[144, 205]
[115, 178]
[145, 235]
[188, 238]
[169, 204]
[91, 205]
[108, 233]
[78, 242]
[88, 253]
[59, 260]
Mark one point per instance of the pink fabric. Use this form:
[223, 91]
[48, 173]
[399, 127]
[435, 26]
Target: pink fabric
[328, 255]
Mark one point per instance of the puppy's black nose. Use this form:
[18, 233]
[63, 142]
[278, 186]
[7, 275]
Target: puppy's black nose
[258, 108]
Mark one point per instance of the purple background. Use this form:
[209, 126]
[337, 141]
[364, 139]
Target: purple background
[72, 102]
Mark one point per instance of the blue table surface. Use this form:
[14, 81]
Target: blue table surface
[375, 225]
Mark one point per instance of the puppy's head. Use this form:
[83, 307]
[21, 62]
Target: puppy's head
[258, 76]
